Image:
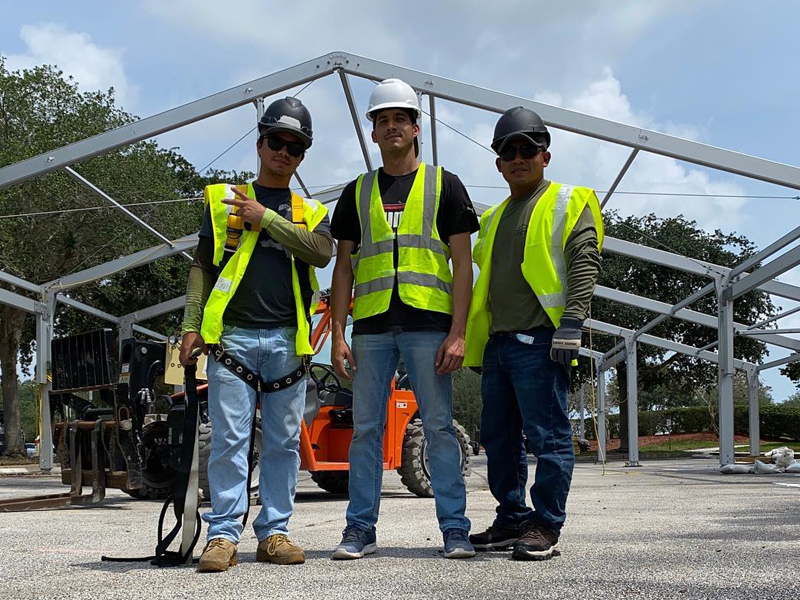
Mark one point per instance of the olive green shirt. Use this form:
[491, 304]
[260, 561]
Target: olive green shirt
[513, 304]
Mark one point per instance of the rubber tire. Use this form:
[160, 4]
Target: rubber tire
[204, 450]
[414, 473]
[154, 488]
[335, 482]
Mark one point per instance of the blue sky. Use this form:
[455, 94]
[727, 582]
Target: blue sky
[724, 73]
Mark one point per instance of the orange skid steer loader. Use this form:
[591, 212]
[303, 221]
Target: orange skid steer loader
[327, 427]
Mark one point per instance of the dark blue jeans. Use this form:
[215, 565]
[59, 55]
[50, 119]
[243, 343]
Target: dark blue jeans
[523, 390]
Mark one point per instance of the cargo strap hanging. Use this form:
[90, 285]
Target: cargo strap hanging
[252, 379]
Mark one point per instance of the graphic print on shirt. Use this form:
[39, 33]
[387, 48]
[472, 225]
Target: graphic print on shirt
[268, 242]
[393, 214]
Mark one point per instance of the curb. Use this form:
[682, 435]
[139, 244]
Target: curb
[29, 470]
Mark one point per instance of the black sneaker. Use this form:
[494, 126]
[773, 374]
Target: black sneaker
[495, 538]
[536, 543]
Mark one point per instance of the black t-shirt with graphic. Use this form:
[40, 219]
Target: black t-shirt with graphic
[264, 298]
[455, 215]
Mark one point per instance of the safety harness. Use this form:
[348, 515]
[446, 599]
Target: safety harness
[253, 380]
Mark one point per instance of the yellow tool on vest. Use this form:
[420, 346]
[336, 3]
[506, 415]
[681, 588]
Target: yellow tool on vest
[235, 225]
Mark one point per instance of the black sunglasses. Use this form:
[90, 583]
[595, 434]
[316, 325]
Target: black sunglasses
[274, 143]
[527, 151]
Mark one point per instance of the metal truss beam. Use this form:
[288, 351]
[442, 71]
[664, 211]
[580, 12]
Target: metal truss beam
[766, 273]
[171, 119]
[351, 104]
[61, 299]
[690, 265]
[93, 188]
[619, 177]
[434, 141]
[691, 316]
[779, 362]
[22, 302]
[156, 310]
[131, 261]
[19, 282]
[595, 127]
[660, 343]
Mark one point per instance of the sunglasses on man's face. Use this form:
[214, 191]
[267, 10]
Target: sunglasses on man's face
[527, 151]
[275, 143]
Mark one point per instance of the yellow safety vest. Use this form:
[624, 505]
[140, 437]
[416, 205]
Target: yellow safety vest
[543, 264]
[423, 275]
[228, 230]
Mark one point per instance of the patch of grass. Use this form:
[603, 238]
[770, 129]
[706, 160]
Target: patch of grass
[679, 445]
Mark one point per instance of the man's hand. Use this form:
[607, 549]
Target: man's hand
[340, 352]
[250, 210]
[566, 341]
[451, 354]
[191, 341]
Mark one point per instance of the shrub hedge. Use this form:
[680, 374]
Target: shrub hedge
[777, 422]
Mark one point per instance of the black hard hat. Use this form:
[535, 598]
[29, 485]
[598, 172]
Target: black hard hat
[289, 115]
[520, 121]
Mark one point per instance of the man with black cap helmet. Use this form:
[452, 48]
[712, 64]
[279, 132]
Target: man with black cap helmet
[250, 294]
[538, 254]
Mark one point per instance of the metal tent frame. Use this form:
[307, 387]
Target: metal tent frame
[726, 284]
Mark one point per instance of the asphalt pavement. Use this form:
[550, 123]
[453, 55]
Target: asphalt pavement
[670, 529]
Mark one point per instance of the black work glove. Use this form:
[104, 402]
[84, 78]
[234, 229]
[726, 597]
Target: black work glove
[566, 341]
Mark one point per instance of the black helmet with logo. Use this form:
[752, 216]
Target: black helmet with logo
[289, 115]
[519, 121]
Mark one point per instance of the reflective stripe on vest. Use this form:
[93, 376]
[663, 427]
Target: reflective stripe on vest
[543, 265]
[423, 273]
[228, 280]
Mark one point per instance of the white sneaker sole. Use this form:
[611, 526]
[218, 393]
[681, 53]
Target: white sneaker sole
[460, 553]
[342, 553]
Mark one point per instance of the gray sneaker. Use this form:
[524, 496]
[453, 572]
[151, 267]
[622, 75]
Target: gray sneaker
[356, 542]
[457, 544]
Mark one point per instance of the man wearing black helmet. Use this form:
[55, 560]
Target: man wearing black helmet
[250, 294]
[538, 254]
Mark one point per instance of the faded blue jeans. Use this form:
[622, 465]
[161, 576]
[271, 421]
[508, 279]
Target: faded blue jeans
[524, 390]
[231, 403]
[376, 357]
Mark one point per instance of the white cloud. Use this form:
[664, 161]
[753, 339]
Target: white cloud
[92, 66]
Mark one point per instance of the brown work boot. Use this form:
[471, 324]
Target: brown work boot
[218, 555]
[280, 550]
[536, 543]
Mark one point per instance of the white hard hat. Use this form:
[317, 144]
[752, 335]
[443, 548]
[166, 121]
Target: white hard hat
[393, 93]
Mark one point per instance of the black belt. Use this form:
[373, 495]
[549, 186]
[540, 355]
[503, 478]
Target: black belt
[253, 380]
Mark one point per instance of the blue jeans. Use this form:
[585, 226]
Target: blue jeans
[524, 390]
[231, 403]
[376, 357]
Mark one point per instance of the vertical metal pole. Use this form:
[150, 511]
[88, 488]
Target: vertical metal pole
[351, 104]
[44, 335]
[601, 414]
[259, 113]
[125, 329]
[582, 411]
[753, 412]
[633, 402]
[434, 144]
[726, 373]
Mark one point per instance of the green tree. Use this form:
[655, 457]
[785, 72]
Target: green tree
[657, 368]
[41, 110]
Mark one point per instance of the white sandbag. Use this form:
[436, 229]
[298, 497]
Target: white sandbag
[793, 468]
[765, 469]
[734, 469]
[782, 457]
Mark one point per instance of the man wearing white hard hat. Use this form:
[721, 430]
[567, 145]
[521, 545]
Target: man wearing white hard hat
[398, 227]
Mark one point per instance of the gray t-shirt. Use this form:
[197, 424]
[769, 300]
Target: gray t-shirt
[512, 302]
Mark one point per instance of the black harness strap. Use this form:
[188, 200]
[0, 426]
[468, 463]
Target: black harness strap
[250, 378]
[164, 557]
